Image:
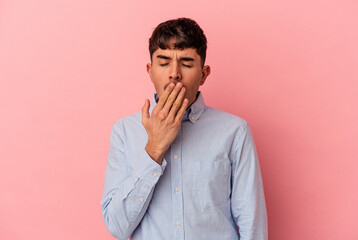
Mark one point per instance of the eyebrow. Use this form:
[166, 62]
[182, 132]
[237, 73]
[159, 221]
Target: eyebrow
[181, 59]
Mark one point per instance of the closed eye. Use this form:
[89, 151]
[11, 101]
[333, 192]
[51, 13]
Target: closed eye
[165, 64]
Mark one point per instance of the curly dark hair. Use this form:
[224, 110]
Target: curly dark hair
[186, 32]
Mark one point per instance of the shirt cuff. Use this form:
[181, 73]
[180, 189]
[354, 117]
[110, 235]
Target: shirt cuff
[149, 170]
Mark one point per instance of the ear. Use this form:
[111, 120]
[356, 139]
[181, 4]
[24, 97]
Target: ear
[149, 70]
[205, 72]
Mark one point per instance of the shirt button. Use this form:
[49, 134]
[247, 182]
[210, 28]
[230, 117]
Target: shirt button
[192, 118]
[177, 224]
[176, 190]
[155, 174]
[175, 156]
[141, 199]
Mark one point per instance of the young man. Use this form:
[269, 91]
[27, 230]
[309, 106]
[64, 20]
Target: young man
[180, 169]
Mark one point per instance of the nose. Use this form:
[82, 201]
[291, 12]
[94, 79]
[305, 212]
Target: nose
[175, 74]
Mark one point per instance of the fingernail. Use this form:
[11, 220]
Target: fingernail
[179, 85]
[183, 89]
[171, 85]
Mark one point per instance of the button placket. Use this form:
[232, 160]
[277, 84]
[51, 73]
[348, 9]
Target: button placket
[176, 181]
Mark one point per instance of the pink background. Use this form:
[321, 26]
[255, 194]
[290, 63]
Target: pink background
[70, 69]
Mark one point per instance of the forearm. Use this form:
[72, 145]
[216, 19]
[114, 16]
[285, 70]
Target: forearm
[122, 214]
[129, 182]
[124, 207]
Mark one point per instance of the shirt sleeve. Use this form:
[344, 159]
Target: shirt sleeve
[127, 190]
[248, 205]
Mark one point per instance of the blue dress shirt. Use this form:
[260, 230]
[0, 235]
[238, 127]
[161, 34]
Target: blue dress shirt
[208, 186]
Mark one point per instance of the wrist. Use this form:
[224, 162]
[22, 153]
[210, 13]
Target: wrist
[154, 154]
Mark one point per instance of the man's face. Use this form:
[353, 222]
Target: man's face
[174, 65]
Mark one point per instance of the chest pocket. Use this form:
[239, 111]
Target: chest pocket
[211, 185]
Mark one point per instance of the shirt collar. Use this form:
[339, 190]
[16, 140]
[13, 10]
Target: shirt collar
[192, 113]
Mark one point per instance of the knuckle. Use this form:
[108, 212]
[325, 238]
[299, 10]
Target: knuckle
[155, 109]
[162, 115]
[169, 120]
[176, 106]
[167, 123]
[162, 99]
[170, 99]
[176, 124]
